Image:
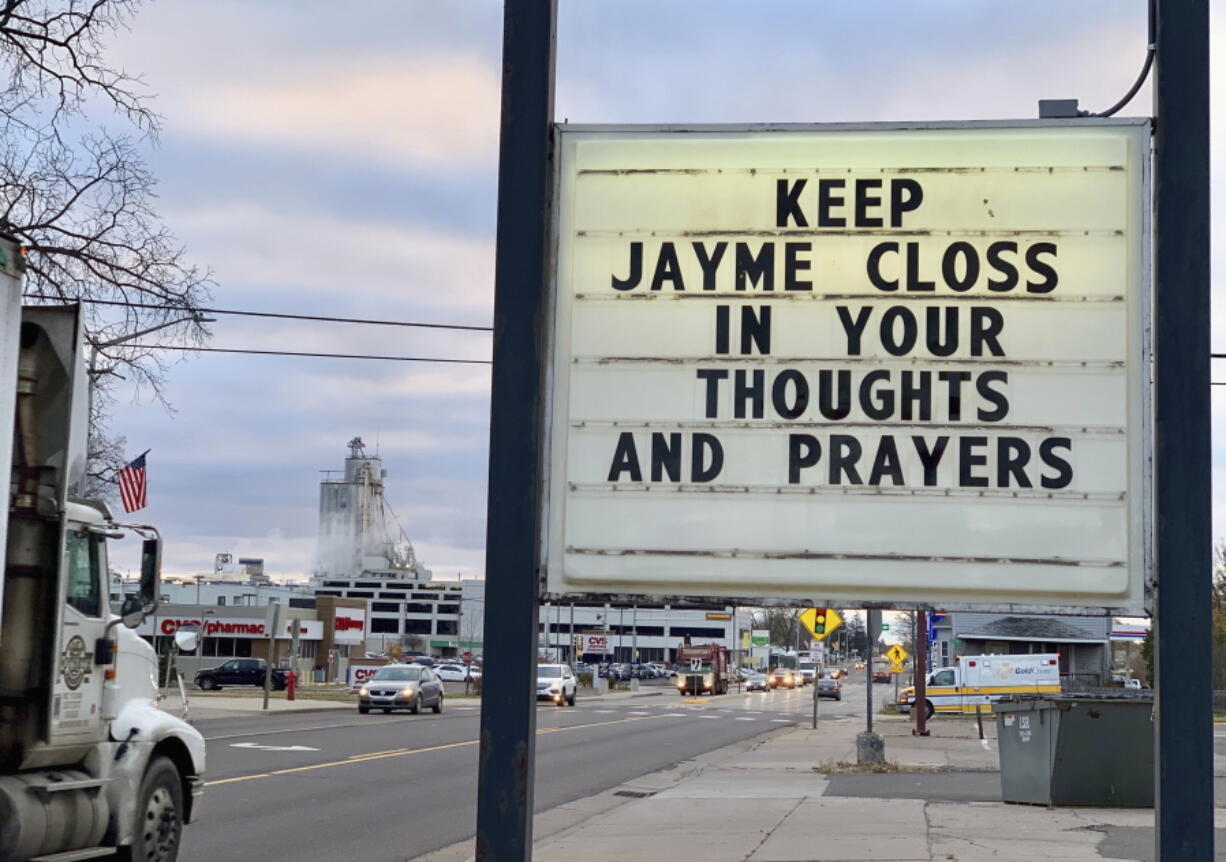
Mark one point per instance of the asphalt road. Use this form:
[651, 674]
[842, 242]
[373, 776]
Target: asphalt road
[325, 787]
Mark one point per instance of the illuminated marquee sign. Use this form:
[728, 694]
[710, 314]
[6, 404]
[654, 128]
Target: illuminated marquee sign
[901, 365]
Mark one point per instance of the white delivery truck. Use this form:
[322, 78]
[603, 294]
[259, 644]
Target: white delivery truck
[89, 766]
[985, 679]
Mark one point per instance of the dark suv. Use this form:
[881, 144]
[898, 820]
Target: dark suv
[238, 671]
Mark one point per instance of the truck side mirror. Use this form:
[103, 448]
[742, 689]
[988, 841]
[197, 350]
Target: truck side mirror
[186, 640]
[132, 611]
[150, 575]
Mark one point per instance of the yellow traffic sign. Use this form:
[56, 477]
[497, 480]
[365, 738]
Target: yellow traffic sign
[896, 654]
[897, 668]
[821, 621]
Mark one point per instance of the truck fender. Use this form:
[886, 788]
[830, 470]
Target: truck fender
[141, 732]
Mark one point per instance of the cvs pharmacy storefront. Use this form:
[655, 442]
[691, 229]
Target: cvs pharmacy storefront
[234, 633]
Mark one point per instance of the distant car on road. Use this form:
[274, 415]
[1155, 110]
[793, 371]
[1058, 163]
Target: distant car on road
[829, 688]
[401, 686]
[239, 671]
[782, 677]
[555, 682]
[757, 682]
[456, 672]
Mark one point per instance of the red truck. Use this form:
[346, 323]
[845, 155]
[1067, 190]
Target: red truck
[702, 669]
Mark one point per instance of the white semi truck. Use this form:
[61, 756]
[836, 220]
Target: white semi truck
[90, 767]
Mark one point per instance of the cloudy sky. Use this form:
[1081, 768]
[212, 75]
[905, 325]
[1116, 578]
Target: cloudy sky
[344, 163]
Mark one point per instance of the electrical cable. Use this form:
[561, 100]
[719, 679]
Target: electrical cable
[189, 348]
[283, 315]
[1150, 50]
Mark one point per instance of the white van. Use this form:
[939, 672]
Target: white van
[985, 679]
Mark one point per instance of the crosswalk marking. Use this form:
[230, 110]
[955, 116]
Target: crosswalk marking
[746, 719]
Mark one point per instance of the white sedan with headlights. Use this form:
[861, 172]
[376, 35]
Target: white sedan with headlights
[555, 682]
[401, 686]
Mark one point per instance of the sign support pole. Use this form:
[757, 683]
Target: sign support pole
[1183, 534]
[521, 279]
[874, 631]
[921, 673]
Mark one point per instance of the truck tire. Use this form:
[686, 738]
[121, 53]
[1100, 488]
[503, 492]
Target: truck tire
[159, 815]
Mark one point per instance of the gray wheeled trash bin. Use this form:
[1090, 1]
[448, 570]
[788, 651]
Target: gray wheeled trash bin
[1076, 750]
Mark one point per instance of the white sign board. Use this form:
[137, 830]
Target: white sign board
[888, 364]
[357, 675]
[350, 626]
[597, 644]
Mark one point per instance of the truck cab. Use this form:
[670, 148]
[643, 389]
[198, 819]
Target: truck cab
[89, 765]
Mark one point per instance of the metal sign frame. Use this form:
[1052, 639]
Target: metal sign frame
[1182, 499]
[1139, 420]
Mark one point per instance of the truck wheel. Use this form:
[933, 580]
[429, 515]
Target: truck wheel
[928, 709]
[159, 815]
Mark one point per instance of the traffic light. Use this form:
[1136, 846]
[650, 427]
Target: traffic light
[819, 622]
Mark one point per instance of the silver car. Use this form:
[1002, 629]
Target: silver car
[401, 686]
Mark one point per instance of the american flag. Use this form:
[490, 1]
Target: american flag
[132, 484]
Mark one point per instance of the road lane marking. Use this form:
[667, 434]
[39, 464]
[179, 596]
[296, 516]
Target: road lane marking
[363, 758]
[710, 716]
[258, 747]
[746, 719]
[781, 720]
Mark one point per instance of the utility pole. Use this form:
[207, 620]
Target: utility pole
[870, 747]
[271, 620]
[621, 632]
[921, 674]
[634, 636]
[92, 372]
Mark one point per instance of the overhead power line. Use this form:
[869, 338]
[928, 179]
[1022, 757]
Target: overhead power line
[188, 348]
[277, 314]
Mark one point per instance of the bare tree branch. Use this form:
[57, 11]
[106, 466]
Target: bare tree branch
[81, 199]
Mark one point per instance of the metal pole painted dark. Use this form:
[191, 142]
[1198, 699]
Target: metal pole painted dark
[1183, 533]
[921, 673]
[525, 178]
[874, 631]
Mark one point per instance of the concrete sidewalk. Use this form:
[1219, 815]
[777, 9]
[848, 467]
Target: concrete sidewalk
[785, 798]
